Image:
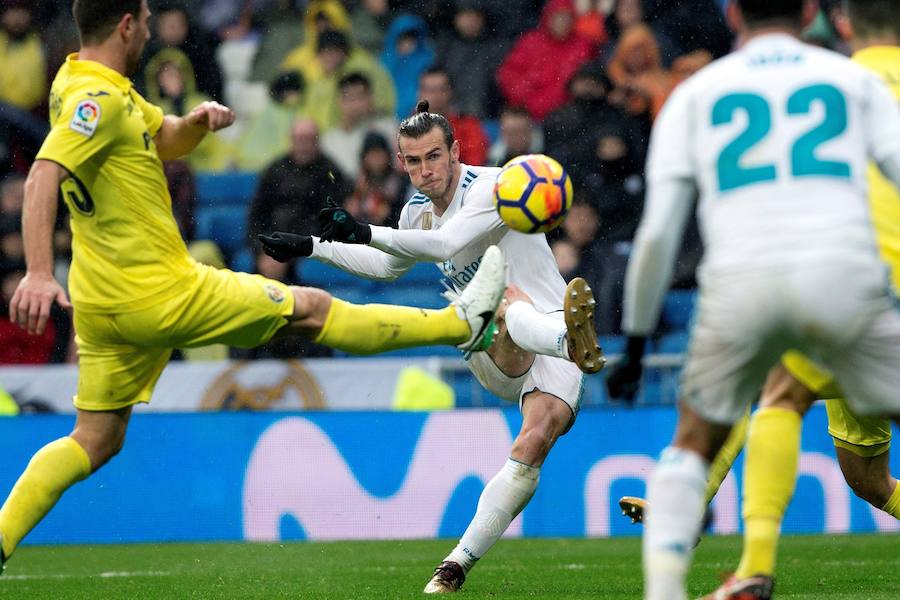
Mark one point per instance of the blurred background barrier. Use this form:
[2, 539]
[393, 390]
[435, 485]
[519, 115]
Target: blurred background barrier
[364, 475]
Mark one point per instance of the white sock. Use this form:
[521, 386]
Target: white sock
[676, 494]
[536, 332]
[503, 498]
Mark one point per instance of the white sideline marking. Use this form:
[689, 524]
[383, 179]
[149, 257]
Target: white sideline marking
[105, 575]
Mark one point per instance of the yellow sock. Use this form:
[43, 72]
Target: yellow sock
[371, 328]
[52, 470]
[770, 474]
[892, 507]
[720, 466]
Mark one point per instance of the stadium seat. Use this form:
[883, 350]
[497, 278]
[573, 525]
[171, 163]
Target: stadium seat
[672, 343]
[318, 274]
[225, 189]
[677, 310]
[242, 260]
[225, 225]
[422, 273]
[491, 128]
[408, 295]
[612, 344]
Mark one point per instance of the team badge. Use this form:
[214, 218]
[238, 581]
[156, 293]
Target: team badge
[86, 118]
[426, 220]
[276, 294]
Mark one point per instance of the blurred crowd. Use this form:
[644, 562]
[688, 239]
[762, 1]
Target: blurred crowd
[319, 86]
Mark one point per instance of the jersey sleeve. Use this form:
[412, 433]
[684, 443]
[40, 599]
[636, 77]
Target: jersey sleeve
[882, 124]
[669, 155]
[153, 115]
[476, 219]
[87, 126]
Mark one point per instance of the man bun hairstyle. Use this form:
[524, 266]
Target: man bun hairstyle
[760, 13]
[423, 121]
[97, 19]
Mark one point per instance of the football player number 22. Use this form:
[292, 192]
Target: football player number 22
[804, 161]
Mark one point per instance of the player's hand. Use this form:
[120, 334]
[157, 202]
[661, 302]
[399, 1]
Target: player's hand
[285, 246]
[31, 303]
[338, 225]
[210, 115]
[624, 377]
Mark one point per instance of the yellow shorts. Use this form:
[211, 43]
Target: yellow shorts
[864, 436]
[122, 354]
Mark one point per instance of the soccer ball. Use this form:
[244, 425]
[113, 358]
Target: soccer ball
[533, 193]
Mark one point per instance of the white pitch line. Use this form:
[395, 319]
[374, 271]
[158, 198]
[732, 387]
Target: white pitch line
[105, 575]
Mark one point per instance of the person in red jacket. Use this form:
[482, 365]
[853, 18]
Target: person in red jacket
[536, 71]
[436, 87]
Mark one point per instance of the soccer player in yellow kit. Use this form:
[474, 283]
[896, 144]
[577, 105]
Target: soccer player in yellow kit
[136, 292]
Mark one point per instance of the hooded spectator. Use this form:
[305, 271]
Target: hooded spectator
[407, 53]
[23, 76]
[536, 71]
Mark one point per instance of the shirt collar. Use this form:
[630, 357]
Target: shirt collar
[92, 67]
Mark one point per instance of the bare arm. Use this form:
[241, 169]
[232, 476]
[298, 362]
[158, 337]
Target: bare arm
[180, 135]
[31, 303]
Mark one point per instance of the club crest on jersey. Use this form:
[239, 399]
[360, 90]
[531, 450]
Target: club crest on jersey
[275, 293]
[86, 118]
[426, 220]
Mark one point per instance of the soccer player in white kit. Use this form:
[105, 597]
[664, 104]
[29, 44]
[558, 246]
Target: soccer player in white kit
[776, 139]
[539, 353]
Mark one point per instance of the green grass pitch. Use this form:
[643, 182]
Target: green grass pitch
[845, 567]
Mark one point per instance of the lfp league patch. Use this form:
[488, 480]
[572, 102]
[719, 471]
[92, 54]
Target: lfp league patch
[86, 118]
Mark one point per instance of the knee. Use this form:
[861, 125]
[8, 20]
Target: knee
[535, 440]
[311, 306]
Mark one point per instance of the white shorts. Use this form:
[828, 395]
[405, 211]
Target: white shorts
[548, 374]
[843, 316]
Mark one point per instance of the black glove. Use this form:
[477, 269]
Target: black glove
[338, 225]
[285, 246]
[624, 377]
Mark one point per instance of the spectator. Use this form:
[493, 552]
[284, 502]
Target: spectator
[407, 53]
[320, 16]
[268, 135]
[692, 25]
[358, 117]
[19, 347]
[296, 187]
[173, 29]
[638, 74]
[23, 76]
[283, 26]
[471, 55]
[436, 86]
[378, 194]
[183, 192]
[577, 251]
[615, 184]
[570, 132]
[171, 85]
[629, 13]
[590, 22]
[518, 135]
[536, 71]
[369, 20]
[335, 59]
[511, 18]
[12, 250]
[688, 64]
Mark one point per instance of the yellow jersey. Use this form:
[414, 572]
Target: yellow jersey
[884, 198]
[127, 252]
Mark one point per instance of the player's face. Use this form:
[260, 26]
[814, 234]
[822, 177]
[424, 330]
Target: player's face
[140, 34]
[430, 163]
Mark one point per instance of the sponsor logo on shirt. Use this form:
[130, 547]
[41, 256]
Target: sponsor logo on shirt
[86, 118]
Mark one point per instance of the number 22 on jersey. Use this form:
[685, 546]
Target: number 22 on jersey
[803, 159]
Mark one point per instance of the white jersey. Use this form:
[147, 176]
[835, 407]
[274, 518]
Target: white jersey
[455, 241]
[776, 138]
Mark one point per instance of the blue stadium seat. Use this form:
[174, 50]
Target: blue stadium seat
[242, 260]
[677, 309]
[356, 294]
[612, 344]
[408, 295]
[225, 225]
[318, 274]
[225, 189]
[422, 273]
[491, 128]
[672, 343]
